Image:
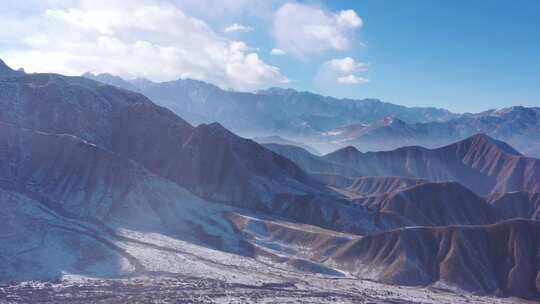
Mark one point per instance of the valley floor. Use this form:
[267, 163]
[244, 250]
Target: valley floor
[164, 288]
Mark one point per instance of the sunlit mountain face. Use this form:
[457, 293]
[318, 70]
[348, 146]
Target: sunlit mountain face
[268, 152]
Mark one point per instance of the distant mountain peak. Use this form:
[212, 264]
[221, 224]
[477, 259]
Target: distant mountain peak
[5, 70]
[102, 76]
[3, 65]
[141, 82]
[216, 129]
[481, 139]
[515, 111]
[111, 79]
[276, 91]
[350, 149]
[348, 152]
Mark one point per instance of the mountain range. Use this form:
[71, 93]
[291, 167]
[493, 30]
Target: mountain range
[483, 164]
[327, 123]
[518, 126]
[265, 112]
[98, 181]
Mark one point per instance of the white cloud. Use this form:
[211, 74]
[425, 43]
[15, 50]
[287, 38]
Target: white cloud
[139, 38]
[341, 70]
[346, 65]
[302, 29]
[349, 18]
[212, 9]
[352, 79]
[236, 27]
[277, 52]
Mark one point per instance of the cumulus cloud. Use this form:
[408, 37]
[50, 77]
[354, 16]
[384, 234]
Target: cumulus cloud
[277, 52]
[139, 38]
[341, 70]
[349, 18]
[301, 29]
[346, 65]
[352, 79]
[226, 8]
[236, 27]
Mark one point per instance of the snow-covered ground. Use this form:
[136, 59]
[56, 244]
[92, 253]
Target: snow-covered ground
[183, 250]
[126, 265]
[186, 289]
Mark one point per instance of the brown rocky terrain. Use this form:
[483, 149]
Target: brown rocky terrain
[497, 259]
[207, 160]
[481, 163]
[516, 204]
[433, 204]
[375, 185]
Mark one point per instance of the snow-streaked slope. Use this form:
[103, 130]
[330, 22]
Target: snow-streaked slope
[152, 221]
[207, 160]
[38, 244]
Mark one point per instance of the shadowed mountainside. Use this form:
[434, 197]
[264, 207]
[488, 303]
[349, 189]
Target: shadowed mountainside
[516, 204]
[375, 185]
[208, 160]
[497, 259]
[433, 204]
[481, 163]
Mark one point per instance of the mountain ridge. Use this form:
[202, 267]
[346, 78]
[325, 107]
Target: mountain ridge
[208, 160]
[315, 112]
[518, 125]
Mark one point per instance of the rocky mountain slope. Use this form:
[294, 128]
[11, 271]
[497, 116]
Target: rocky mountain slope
[481, 163]
[516, 204]
[495, 259]
[433, 204]
[208, 160]
[376, 185]
[116, 214]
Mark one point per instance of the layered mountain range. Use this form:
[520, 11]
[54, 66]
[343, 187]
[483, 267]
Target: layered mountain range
[99, 181]
[327, 123]
[483, 164]
[275, 110]
[518, 126]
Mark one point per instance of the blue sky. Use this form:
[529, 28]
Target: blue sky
[466, 56]
[462, 55]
